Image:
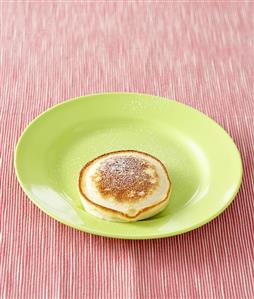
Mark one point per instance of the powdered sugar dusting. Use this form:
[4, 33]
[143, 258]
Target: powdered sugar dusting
[126, 178]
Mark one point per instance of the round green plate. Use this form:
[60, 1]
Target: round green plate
[202, 160]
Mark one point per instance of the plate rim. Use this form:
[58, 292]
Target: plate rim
[117, 235]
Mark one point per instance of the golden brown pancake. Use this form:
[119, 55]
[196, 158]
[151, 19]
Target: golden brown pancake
[124, 186]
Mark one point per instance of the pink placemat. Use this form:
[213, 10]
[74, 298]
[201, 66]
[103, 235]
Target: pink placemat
[200, 54]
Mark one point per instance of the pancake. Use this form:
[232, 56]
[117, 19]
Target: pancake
[124, 186]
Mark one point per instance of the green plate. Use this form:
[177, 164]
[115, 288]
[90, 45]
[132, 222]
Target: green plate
[202, 160]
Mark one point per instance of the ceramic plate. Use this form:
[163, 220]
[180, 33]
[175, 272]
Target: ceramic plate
[202, 160]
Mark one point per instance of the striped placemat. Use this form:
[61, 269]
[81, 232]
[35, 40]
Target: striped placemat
[198, 53]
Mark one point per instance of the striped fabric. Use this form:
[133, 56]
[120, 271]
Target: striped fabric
[200, 54]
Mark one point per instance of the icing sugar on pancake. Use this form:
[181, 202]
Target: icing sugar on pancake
[126, 178]
[124, 186]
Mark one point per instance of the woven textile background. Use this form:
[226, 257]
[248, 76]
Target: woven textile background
[198, 53]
